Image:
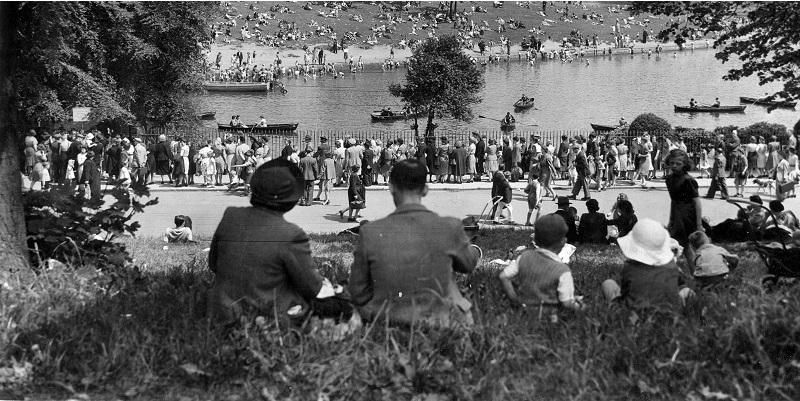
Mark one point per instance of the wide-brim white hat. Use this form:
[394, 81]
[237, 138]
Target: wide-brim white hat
[648, 242]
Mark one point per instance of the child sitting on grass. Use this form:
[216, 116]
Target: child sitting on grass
[542, 279]
[650, 276]
[712, 263]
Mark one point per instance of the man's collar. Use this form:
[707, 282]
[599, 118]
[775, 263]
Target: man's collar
[410, 207]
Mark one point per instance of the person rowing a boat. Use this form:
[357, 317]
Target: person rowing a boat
[236, 122]
[508, 119]
[692, 103]
[524, 99]
[622, 121]
[387, 112]
[716, 103]
[262, 122]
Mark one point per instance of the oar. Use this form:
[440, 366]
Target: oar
[489, 118]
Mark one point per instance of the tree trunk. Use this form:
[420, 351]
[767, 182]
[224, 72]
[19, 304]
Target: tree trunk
[13, 248]
[430, 127]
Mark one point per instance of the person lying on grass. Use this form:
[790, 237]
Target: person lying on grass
[403, 264]
[650, 276]
[542, 280]
[712, 263]
[262, 263]
[182, 233]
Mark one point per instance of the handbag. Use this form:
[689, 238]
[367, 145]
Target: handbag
[357, 204]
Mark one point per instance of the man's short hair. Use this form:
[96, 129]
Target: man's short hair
[549, 230]
[409, 174]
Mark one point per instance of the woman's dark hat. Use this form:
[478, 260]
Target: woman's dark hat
[276, 184]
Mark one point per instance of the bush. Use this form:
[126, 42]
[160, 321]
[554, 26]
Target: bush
[79, 231]
[796, 130]
[766, 130]
[650, 123]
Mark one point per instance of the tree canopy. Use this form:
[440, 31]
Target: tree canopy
[650, 123]
[763, 35]
[441, 80]
[128, 61]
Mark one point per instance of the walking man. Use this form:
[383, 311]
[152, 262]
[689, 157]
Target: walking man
[582, 168]
[718, 175]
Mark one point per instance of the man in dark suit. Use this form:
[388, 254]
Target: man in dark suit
[404, 263]
[308, 165]
[582, 167]
[480, 155]
[563, 211]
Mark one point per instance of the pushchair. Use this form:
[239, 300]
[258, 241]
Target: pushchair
[782, 261]
[474, 223]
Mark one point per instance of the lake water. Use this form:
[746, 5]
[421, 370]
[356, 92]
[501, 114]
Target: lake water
[568, 95]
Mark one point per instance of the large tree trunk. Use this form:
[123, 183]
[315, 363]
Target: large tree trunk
[430, 126]
[13, 248]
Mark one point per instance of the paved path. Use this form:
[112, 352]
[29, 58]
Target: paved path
[206, 206]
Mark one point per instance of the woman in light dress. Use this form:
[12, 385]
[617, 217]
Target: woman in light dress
[761, 156]
[492, 164]
[622, 158]
[471, 161]
[647, 163]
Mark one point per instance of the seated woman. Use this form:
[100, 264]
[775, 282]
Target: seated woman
[786, 223]
[262, 263]
[625, 219]
[182, 232]
[592, 228]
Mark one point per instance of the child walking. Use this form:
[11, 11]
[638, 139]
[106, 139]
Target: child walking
[534, 191]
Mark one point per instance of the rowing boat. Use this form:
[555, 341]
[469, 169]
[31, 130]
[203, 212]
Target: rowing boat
[236, 86]
[378, 116]
[508, 126]
[520, 104]
[207, 115]
[603, 128]
[269, 129]
[709, 109]
[763, 101]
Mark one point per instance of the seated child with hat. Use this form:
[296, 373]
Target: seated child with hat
[541, 278]
[712, 263]
[650, 276]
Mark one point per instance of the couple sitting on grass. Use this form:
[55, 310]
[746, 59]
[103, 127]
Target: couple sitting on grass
[403, 267]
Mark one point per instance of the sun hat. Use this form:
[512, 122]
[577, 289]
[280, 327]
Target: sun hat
[648, 243]
[137, 139]
[563, 200]
[276, 185]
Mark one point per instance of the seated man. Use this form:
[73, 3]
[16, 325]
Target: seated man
[387, 111]
[692, 103]
[542, 279]
[182, 233]
[716, 103]
[262, 263]
[403, 267]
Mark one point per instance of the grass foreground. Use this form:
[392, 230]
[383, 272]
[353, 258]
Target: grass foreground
[142, 333]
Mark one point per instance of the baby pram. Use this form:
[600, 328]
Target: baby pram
[782, 261]
[474, 223]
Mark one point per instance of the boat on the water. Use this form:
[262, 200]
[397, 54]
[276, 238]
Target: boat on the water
[507, 126]
[603, 128]
[269, 129]
[709, 109]
[207, 115]
[378, 115]
[521, 105]
[236, 86]
[764, 102]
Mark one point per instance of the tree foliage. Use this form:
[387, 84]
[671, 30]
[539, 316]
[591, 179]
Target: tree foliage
[764, 129]
[128, 61]
[650, 123]
[763, 35]
[441, 80]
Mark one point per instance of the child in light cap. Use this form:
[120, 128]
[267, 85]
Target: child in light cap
[712, 263]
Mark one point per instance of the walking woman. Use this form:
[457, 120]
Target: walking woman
[356, 199]
[472, 171]
[546, 171]
[442, 166]
[761, 159]
[685, 214]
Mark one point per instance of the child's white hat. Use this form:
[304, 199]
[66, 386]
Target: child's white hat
[648, 242]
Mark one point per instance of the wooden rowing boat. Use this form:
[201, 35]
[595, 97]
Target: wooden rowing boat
[519, 104]
[764, 102]
[378, 116]
[269, 129]
[236, 86]
[709, 109]
[207, 115]
[507, 126]
[603, 128]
